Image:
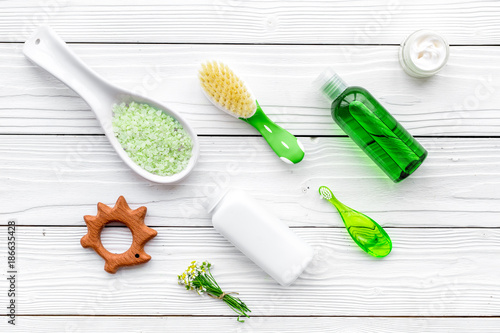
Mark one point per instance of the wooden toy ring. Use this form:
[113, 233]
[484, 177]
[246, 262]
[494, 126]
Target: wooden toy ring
[133, 219]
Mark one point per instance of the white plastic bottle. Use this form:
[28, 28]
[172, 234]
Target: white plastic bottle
[261, 236]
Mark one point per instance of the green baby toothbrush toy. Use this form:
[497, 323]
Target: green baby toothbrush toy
[365, 232]
[230, 94]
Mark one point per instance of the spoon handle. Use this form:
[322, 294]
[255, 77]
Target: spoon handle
[46, 49]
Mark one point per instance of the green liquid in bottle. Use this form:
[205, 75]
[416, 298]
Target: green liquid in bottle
[373, 129]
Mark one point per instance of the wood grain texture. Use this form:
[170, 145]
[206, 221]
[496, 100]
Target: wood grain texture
[461, 100]
[51, 180]
[227, 21]
[431, 272]
[443, 220]
[30, 324]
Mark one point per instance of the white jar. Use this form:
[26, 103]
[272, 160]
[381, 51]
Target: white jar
[261, 236]
[423, 53]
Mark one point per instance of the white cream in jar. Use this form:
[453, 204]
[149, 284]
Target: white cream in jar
[423, 53]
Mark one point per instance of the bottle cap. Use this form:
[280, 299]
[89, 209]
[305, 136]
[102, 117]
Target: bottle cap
[330, 84]
[215, 198]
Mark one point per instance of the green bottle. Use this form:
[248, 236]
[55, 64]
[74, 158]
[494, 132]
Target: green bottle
[373, 129]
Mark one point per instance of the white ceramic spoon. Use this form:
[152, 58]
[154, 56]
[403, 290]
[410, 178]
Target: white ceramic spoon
[46, 49]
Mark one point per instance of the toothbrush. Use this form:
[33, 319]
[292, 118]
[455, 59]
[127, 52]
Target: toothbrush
[365, 232]
[230, 94]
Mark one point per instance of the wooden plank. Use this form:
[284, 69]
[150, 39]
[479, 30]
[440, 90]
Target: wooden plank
[462, 100]
[297, 22]
[265, 325]
[55, 180]
[431, 272]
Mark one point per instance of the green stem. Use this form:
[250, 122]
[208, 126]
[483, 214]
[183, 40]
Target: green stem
[212, 288]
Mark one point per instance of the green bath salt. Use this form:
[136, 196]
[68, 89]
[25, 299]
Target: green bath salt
[154, 140]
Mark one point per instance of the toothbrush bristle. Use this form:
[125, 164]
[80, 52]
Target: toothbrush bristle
[226, 89]
[325, 192]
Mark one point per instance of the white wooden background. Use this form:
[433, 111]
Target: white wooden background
[55, 165]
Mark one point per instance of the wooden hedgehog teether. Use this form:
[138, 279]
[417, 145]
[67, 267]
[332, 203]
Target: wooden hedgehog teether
[133, 219]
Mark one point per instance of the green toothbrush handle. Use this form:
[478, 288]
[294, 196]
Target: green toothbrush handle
[284, 144]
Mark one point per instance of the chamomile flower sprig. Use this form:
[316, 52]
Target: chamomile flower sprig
[198, 277]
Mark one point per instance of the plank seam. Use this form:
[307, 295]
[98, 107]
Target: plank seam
[245, 44]
[258, 135]
[253, 316]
